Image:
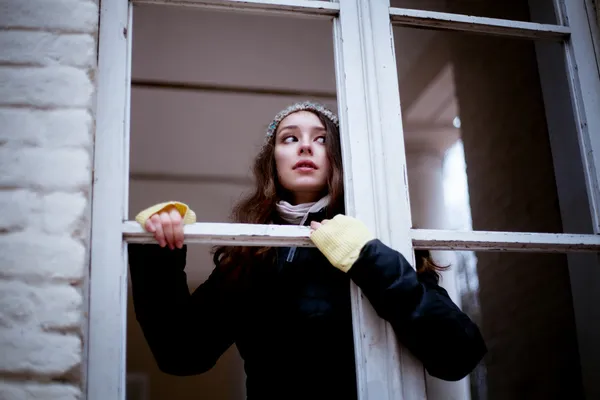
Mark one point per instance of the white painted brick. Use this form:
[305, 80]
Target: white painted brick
[39, 307]
[38, 391]
[18, 208]
[61, 212]
[54, 213]
[69, 15]
[44, 48]
[58, 86]
[47, 57]
[54, 128]
[62, 169]
[37, 352]
[35, 256]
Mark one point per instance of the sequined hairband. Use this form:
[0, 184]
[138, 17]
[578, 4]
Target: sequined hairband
[302, 106]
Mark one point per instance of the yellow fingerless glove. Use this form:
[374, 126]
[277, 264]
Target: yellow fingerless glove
[189, 216]
[341, 240]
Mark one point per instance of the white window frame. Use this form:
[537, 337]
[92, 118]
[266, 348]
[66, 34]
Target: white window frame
[374, 161]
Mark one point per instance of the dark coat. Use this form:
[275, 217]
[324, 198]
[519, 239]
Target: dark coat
[293, 325]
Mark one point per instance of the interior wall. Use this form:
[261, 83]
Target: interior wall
[526, 301]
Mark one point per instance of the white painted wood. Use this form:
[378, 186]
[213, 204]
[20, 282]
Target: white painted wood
[230, 234]
[306, 7]
[375, 171]
[127, 127]
[584, 82]
[593, 16]
[581, 54]
[433, 239]
[108, 279]
[505, 241]
[484, 25]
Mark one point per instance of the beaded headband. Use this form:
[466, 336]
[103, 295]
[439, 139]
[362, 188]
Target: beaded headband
[302, 106]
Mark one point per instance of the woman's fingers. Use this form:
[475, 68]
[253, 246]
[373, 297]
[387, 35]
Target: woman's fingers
[159, 235]
[314, 225]
[177, 228]
[167, 225]
[150, 226]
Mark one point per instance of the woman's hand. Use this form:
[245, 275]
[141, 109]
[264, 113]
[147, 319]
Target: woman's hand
[340, 239]
[167, 226]
[314, 225]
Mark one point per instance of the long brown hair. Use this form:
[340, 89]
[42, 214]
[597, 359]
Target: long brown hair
[426, 266]
[259, 206]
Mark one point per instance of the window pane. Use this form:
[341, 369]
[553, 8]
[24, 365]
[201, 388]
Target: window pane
[540, 11]
[224, 381]
[490, 137]
[205, 87]
[531, 310]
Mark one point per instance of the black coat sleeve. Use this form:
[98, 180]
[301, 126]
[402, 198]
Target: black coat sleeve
[187, 333]
[421, 313]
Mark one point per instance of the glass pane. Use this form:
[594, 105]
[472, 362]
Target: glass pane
[490, 137]
[224, 381]
[205, 87]
[532, 311]
[540, 11]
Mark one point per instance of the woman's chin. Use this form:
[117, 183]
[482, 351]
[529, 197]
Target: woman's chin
[306, 187]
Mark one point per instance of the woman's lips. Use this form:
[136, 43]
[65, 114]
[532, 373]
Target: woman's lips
[305, 169]
[305, 165]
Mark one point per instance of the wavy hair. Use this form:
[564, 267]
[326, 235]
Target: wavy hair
[259, 206]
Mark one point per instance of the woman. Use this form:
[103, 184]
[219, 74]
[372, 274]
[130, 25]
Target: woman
[288, 310]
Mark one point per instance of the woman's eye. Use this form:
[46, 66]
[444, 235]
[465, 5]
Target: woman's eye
[321, 139]
[289, 139]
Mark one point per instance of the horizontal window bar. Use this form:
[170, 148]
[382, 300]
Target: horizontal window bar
[468, 23]
[504, 241]
[230, 234]
[318, 8]
[285, 235]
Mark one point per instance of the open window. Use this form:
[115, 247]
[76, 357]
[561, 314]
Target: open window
[205, 84]
[410, 82]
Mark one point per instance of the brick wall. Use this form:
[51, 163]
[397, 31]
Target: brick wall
[47, 62]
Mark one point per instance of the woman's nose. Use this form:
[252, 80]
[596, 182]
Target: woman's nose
[305, 148]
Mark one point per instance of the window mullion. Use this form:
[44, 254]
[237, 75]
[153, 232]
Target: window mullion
[106, 337]
[308, 7]
[592, 8]
[483, 25]
[375, 184]
[584, 83]
[233, 234]
[230, 234]
[434, 239]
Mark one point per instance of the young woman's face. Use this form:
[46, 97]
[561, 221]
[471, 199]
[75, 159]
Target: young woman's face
[301, 156]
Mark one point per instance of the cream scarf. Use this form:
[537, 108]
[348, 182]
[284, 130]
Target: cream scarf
[297, 215]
